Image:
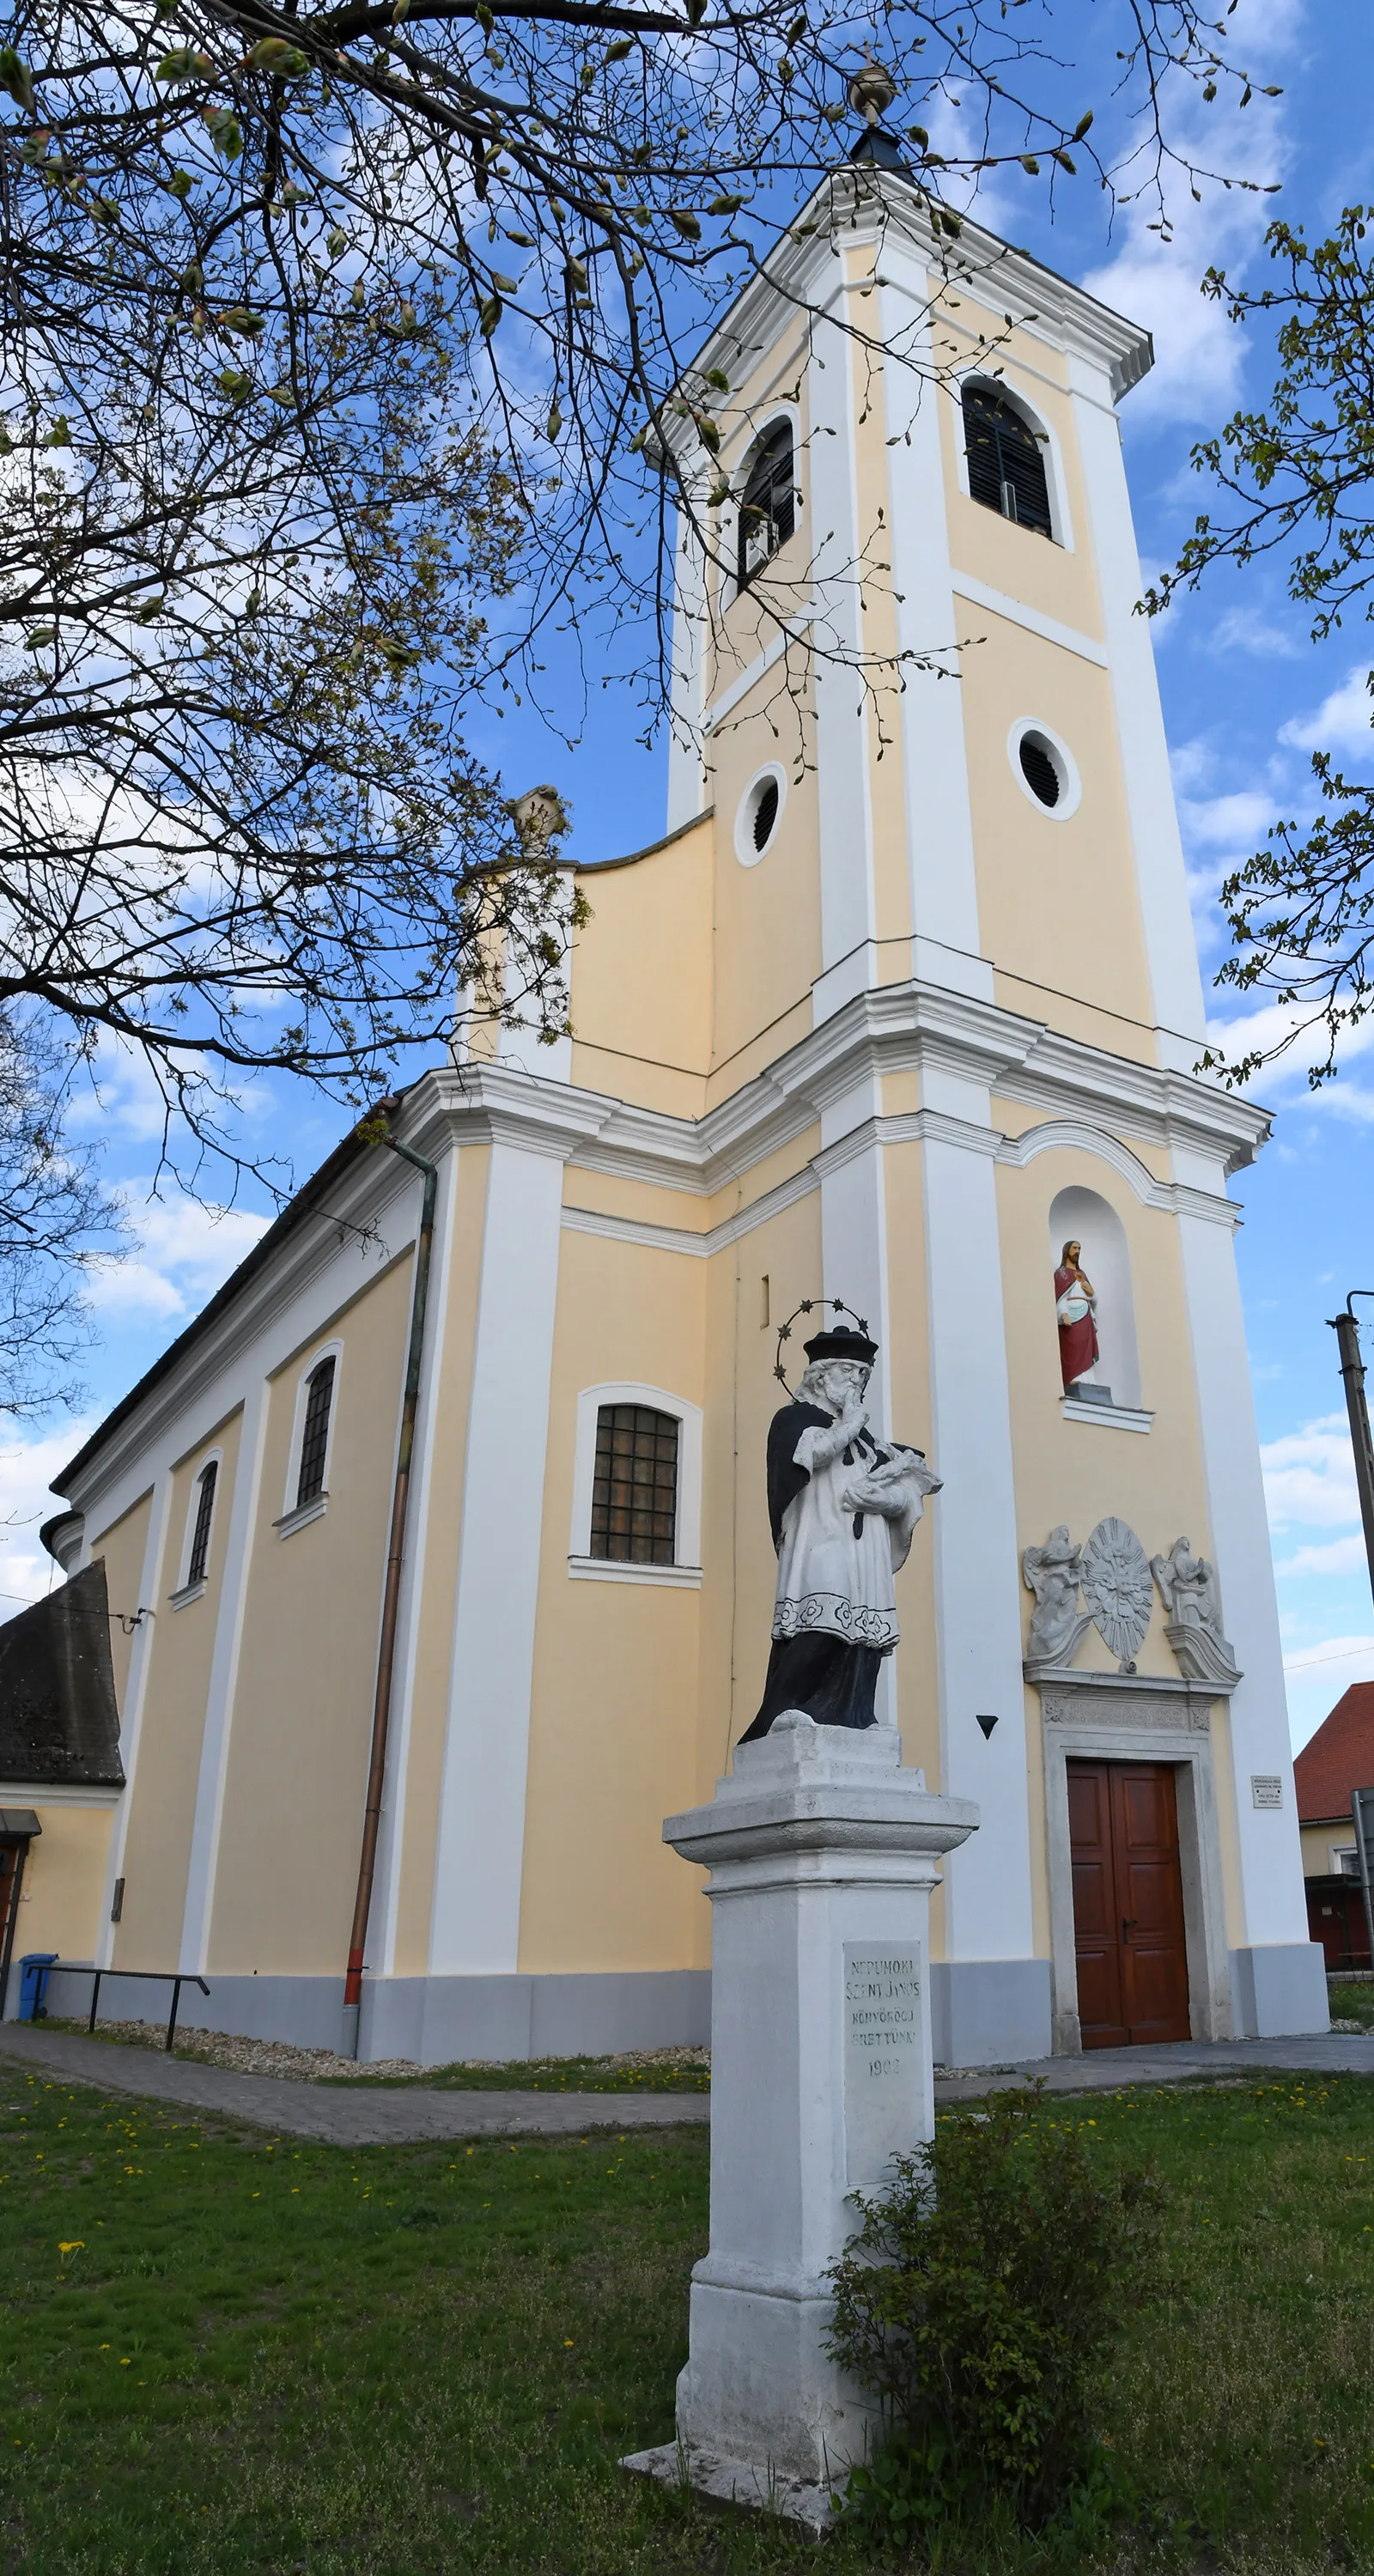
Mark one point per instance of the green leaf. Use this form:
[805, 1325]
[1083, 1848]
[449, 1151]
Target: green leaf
[276, 54]
[224, 131]
[183, 63]
[59, 435]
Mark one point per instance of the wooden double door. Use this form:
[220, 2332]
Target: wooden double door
[1127, 1904]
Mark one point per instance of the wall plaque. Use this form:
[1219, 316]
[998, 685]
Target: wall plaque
[1266, 1788]
[884, 2048]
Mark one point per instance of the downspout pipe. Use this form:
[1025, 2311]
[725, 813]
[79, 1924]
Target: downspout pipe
[391, 1599]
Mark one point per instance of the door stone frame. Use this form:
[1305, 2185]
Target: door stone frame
[1110, 1717]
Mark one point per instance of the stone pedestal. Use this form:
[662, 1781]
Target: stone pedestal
[823, 1851]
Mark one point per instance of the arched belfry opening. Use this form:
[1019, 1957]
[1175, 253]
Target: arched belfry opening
[768, 503]
[1006, 461]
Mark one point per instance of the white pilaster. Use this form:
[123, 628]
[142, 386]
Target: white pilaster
[686, 765]
[476, 1918]
[939, 818]
[1272, 1901]
[977, 1605]
[1161, 882]
[224, 1665]
[135, 1693]
[844, 808]
[382, 1934]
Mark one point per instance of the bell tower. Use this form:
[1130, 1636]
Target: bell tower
[916, 700]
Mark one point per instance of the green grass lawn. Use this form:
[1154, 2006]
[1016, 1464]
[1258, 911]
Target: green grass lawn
[1352, 2003]
[224, 2354]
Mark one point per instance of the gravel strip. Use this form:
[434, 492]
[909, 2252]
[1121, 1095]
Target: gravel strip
[318, 2065]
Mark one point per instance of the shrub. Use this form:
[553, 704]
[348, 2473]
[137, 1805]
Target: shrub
[978, 2304]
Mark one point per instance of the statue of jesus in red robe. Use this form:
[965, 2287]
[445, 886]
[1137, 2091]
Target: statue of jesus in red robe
[1075, 1306]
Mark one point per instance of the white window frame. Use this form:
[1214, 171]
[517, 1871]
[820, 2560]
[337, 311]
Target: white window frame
[745, 851]
[738, 476]
[1070, 780]
[186, 1592]
[295, 1515]
[1061, 525]
[685, 1570]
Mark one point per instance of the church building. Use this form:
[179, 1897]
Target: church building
[903, 1012]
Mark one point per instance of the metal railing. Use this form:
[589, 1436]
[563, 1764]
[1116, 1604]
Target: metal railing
[176, 1979]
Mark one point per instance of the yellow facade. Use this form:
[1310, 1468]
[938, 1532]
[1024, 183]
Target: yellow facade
[874, 1059]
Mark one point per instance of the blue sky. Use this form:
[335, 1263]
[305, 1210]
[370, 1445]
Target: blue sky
[1246, 696]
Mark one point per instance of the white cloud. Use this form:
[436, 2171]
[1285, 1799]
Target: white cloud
[1247, 630]
[1342, 721]
[1309, 1476]
[1226, 822]
[1334, 1556]
[1199, 354]
[1334, 1650]
[183, 1251]
[27, 1462]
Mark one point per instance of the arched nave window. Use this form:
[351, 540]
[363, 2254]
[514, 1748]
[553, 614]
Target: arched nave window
[1080, 1216]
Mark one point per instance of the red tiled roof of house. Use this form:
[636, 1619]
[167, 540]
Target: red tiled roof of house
[1339, 1758]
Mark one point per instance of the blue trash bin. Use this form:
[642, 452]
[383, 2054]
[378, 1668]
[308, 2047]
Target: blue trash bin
[33, 1984]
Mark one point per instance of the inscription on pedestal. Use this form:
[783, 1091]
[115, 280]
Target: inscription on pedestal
[882, 2057]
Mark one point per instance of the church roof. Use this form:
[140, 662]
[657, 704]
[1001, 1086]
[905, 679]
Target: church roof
[1339, 1758]
[307, 1198]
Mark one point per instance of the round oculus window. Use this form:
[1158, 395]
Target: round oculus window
[756, 823]
[1040, 770]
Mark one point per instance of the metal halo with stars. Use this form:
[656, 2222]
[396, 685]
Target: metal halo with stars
[808, 1307]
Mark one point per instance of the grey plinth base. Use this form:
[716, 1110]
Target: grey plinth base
[823, 1852]
[708, 2473]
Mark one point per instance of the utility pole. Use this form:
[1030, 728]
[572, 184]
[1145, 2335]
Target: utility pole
[1347, 1334]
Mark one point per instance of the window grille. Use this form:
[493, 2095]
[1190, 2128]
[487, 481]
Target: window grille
[315, 1436]
[768, 509]
[205, 1513]
[1006, 464]
[634, 1487]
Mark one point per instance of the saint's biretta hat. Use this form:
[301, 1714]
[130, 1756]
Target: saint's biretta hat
[838, 1343]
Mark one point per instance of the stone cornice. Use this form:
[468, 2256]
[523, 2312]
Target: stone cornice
[1094, 1098]
[853, 208]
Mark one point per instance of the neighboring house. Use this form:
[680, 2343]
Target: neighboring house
[905, 1002]
[1338, 1759]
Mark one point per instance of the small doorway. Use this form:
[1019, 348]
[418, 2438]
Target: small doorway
[1129, 1938]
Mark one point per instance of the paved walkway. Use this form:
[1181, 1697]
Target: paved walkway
[361, 2116]
[344, 2115]
[1101, 2070]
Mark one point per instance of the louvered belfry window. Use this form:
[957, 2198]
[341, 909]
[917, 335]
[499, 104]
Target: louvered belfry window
[1006, 463]
[205, 1513]
[315, 1435]
[634, 1488]
[768, 508]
